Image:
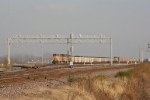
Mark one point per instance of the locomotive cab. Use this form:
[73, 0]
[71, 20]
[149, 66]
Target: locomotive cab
[55, 59]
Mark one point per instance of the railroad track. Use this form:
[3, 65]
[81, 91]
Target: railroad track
[21, 77]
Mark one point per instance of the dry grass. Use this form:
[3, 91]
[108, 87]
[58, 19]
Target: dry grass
[64, 92]
[138, 87]
[89, 89]
[96, 88]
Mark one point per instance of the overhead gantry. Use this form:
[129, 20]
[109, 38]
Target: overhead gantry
[61, 39]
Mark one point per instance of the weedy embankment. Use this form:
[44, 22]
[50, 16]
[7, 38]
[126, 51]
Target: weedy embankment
[126, 85]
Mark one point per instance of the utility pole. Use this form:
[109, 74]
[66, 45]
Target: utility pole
[111, 59]
[71, 48]
[142, 55]
[139, 53]
[68, 50]
[34, 54]
[149, 52]
[22, 53]
[42, 53]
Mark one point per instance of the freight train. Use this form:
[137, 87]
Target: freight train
[64, 59]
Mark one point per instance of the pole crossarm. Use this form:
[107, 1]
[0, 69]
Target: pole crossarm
[59, 39]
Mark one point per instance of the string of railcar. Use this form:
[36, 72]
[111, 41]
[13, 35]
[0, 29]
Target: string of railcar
[64, 59]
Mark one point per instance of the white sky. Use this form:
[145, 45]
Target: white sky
[126, 21]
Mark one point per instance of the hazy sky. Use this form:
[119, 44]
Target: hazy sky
[126, 21]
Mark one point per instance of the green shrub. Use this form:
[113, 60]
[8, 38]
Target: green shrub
[76, 79]
[100, 77]
[124, 74]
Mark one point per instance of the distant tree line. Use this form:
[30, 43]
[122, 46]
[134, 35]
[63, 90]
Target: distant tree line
[18, 58]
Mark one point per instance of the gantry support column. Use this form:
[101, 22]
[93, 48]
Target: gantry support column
[111, 57]
[8, 41]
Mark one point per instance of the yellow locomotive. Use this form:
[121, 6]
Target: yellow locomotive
[60, 58]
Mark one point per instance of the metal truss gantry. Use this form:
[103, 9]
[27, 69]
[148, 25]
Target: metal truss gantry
[145, 50]
[60, 39]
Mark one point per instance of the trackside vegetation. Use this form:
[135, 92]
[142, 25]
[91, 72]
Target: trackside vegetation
[125, 85]
[128, 74]
[75, 79]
